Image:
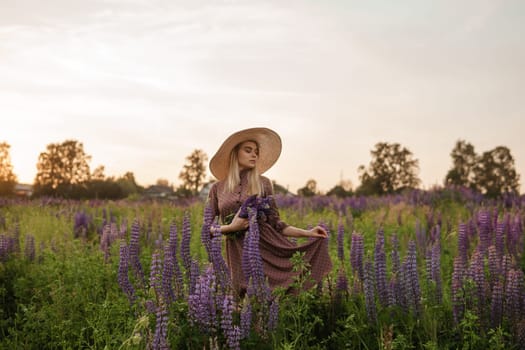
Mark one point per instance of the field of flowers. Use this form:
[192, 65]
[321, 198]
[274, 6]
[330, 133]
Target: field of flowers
[440, 269]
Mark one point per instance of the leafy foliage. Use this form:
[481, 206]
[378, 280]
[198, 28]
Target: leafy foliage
[392, 169]
[464, 159]
[66, 294]
[309, 190]
[194, 171]
[7, 177]
[493, 173]
[61, 167]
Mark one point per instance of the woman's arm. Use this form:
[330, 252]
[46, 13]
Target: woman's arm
[237, 224]
[317, 231]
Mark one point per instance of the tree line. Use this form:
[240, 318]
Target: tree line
[63, 171]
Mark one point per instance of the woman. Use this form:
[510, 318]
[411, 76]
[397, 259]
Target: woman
[238, 165]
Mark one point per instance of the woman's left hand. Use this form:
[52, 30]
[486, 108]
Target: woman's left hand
[318, 231]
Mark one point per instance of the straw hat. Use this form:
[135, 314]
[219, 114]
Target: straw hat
[269, 150]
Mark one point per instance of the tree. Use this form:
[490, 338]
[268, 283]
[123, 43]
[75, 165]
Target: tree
[342, 189]
[163, 182]
[194, 171]
[279, 189]
[464, 160]
[309, 190]
[7, 177]
[98, 174]
[392, 169]
[61, 168]
[495, 174]
[128, 184]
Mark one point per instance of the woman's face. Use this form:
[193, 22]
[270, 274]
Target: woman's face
[247, 154]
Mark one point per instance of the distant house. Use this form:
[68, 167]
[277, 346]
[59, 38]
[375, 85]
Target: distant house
[158, 191]
[23, 190]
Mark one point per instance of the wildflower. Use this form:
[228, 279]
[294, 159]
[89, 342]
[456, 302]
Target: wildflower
[123, 279]
[30, 248]
[134, 253]
[185, 244]
[356, 255]
[369, 292]
[380, 268]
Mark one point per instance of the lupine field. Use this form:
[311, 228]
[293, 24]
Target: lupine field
[439, 269]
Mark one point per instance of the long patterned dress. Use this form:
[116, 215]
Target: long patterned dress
[275, 248]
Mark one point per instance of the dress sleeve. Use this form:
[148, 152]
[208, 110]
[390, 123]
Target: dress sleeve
[273, 213]
[213, 200]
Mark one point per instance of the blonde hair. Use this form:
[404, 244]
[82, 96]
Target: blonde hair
[233, 178]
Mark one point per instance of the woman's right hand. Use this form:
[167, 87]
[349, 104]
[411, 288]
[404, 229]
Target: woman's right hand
[238, 224]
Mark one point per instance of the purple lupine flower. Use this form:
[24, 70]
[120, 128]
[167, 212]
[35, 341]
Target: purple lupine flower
[205, 232]
[227, 307]
[123, 279]
[167, 275]
[194, 275]
[457, 289]
[506, 265]
[254, 257]
[155, 277]
[477, 274]
[421, 236]
[436, 270]
[519, 333]
[40, 255]
[500, 239]
[356, 255]
[369, 291]
[219, 265]
[411, 276]
[496, 307]
[397, 295]
[160, 338]
[15, 239]
[105, 241]
[494, 265]
[484, 230]
[30, 248]
[463, 242]
[396, 263]
[202, 306]
[185, 244]
[340, 242]
[516, 235]
[342, 282]
[245, 259]
[512, 296]
[231, 333]
[150, 306]
[174, 263]
[4, 247]
[81, 224]
[235, 338]
[134, 249]
[246, 318]
[123, 228]
[273, 314]
[380, 268]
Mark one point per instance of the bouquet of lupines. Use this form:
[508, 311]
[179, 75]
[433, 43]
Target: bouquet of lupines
[261, 205]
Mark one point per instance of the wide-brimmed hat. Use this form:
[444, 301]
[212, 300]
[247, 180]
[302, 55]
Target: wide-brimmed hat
[269, 150]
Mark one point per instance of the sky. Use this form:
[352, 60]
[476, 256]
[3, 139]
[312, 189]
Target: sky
[143, 83]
